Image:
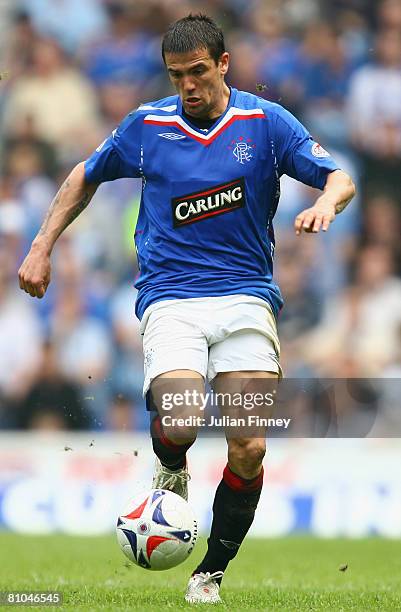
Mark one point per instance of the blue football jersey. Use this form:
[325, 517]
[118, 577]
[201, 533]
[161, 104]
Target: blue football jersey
[205, 225]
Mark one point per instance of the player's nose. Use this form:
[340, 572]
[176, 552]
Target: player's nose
[188, 85]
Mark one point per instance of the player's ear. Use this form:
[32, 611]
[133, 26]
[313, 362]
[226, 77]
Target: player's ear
[224, 62]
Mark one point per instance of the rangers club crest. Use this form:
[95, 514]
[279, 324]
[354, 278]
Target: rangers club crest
[242, 149]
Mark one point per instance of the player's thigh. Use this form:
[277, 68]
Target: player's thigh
[245, 364]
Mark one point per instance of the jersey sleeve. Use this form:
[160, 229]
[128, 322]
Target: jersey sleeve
[119, 156]
[298, 155]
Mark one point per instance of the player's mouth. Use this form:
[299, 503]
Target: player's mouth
[193, 102]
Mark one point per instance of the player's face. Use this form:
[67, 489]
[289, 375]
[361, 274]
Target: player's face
[199, 82]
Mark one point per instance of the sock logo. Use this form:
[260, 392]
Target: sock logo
[229, 544]
[204, 204]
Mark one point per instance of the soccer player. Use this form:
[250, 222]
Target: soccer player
[210, 159]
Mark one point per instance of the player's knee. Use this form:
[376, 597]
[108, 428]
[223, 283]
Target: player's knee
[180, 433]
[246, 455]
[179, 438]
[253, 449]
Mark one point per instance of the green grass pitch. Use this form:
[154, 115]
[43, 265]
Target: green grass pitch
[292, 574]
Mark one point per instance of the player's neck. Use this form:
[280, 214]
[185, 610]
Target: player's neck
[222, 102]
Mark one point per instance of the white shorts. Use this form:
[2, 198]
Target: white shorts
[209, 335]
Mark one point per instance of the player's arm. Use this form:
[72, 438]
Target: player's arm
[117, 157]
[300, 157]
[72, 198]
[338, 192]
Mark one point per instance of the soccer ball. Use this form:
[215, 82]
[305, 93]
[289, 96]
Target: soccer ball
[157, 530]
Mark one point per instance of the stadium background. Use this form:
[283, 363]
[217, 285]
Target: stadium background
[71, 409]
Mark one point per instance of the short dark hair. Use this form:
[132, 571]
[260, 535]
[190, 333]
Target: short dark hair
[194, 32]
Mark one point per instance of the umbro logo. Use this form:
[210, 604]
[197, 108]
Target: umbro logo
[172, 136]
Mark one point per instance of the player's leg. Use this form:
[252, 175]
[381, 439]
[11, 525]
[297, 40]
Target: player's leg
[246, 359]
[170, 437]
[175, 366]
[239, 490]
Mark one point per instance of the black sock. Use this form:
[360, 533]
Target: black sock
[171, 455]
[234, 508]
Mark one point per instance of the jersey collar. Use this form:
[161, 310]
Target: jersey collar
[231, 114]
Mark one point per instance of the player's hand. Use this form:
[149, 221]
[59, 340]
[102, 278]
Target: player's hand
[34, 274]
[313, 219]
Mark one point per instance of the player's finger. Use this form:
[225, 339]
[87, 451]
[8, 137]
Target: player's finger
[326, 223]
[23, 279]
[20, 280]
[317, 223]
[298, 223]
[307, 222]
[23, 284]
[35, 290]
[41, 290]
[28, 288]
[31, 286]
[23, 276]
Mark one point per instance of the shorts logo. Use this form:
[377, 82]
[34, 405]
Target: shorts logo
[148, 358]
[318, 151]
[204, 204]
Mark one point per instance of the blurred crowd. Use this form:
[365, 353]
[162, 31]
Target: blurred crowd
[70, 71]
